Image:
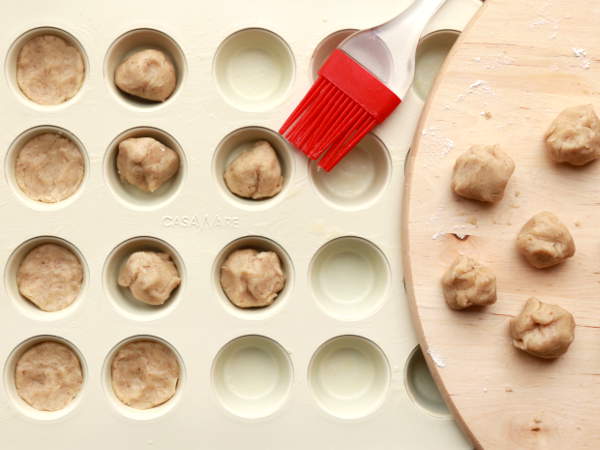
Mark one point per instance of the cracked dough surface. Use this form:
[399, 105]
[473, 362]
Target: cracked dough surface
[48, 376]
[50, 277]
[543, 330]
[49, 168]
[148, 74]
[255, 173]
[146, 163]
[252, 279]
[50, 71]
[144, 374]
[150, 276]
[468, 283]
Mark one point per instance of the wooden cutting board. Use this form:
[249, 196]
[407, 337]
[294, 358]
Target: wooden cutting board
[512, 71]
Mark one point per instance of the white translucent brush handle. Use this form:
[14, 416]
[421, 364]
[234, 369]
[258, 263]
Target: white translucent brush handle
[388, 51]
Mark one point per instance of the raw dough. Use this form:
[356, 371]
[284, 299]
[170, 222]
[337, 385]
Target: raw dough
[482, 172]
[48, 376]
[50, 71]
[49, 168]
[148, 74]
[150, 276]
[144, 374]
[574, 136]
[468, 283]
[255, 173]
[146, 163]
[544, 241]
[50, 277]
[542, 329]
[252, 279]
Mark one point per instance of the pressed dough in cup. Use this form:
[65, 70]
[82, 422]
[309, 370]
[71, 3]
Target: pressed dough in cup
[50, 71]
[49, 168]
[48, 376]
[252, 279]
[50, 277]
[144, 374]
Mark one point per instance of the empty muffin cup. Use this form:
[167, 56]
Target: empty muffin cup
[133, 196]
[349, 277]
[359, 179]
[49, 387]
[254, 69]
[421, 387]
[142, 40]
[73, 284]
[431, 53]
[50, 82]
[165, 374]
[349, 377]
[241, 140]
[122, 297]
[252, 376]
[46, 167]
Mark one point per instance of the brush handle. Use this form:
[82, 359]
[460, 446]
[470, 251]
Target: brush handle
[388, 51]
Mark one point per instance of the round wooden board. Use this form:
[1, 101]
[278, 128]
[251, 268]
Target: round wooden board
[512, 71]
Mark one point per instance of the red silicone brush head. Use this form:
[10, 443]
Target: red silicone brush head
[344, 104]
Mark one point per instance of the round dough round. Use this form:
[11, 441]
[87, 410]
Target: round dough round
[146, 163]
[148, 74]
[49, 168]
[544, 241]
[48, 376]
[252, 279]
[144, 374]
[150, 276]
[468, 283]
[50, 277]
[543, 330]
[482, 172]
[50, 71]
[574, 136]
[255, 173]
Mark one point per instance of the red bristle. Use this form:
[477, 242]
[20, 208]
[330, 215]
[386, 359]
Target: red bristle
[335, 128]
[323, 119]
[308, 98]
[323, 104]
[328, 123]
[330, 161]
[301, 123]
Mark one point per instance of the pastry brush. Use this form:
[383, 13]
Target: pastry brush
[359, 86]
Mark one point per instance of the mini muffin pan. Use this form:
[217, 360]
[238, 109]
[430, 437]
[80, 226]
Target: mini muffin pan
[334, 362]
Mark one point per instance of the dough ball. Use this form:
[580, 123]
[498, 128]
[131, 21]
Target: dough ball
[50, 71]
[543, 330]
[255, 173]
[544, 241]
[48, 376]
[146, 163]
[252, 279]
[482, 172]
[468, 283]
[150, 276]
[148, 74]
[50, 277]
[49, 168]
[574, 136]
[144, 374]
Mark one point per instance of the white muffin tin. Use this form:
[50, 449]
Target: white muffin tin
[334, 362]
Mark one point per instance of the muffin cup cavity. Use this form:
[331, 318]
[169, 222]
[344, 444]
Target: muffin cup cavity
[134, 41]
[421, 387]
[260, 244]
[130, 195]
[122, 298]
[431, 53]
[327, 45]
[240, 140]
[349, 377]
[254, 69]
[252, 376]
[9, 380]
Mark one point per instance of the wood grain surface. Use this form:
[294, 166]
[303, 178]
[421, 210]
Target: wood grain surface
[512, 71]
